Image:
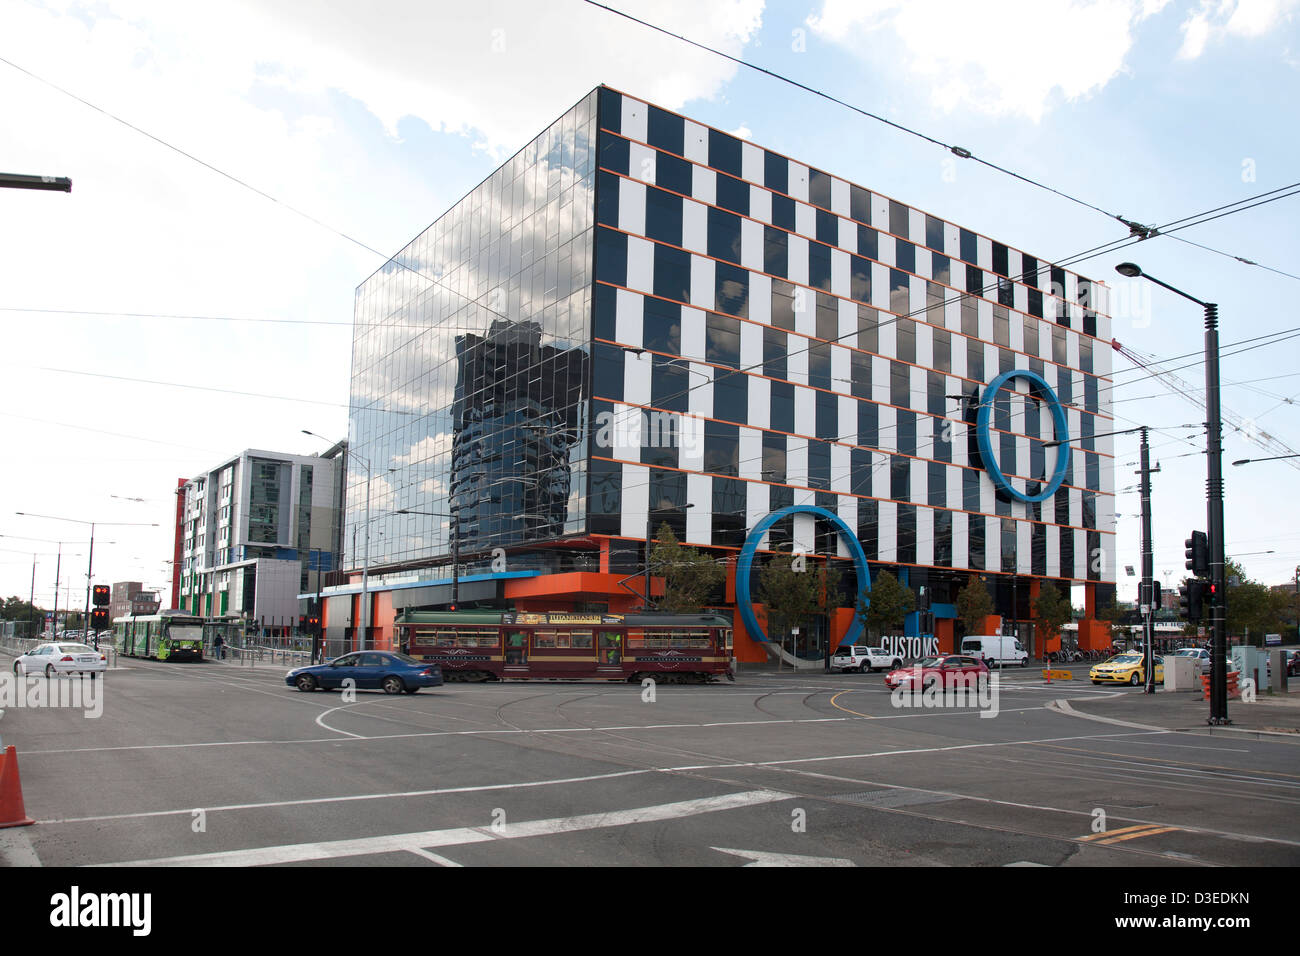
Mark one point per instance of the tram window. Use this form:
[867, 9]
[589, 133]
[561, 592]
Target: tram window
[582, 639]
[676, 637]
[543, 639]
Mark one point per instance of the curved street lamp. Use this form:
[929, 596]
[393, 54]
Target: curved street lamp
[1213, 494]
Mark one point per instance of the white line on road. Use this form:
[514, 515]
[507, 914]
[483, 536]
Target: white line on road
[543, 783]
[367, 846]
[440, 860]
[353, 797]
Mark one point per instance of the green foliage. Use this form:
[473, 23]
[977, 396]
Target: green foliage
[1253, 607]
[690, 577]
[1053, 609]
[792, 596]
[19, 609]
[974, 604]
[828, 581]
[884, 607]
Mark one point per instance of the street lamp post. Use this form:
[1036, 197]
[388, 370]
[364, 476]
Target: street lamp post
[90, 566]
[1214, 498]
[364, 632]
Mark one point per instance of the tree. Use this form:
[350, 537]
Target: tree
[690, 577]
[791, 595]
[1053, 610]
[1253, 608]
[974, 604]
[884, 607]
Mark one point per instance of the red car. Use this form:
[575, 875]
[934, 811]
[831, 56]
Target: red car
[945, 670]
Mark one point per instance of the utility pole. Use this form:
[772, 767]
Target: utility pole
[1146, 599]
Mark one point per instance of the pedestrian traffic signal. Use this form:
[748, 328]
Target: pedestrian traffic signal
[1190, 596]
[99, 595]
[1198, 554]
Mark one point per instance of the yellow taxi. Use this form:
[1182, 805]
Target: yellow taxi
[1125, 669]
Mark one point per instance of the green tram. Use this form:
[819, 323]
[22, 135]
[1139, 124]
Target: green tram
[168, 636]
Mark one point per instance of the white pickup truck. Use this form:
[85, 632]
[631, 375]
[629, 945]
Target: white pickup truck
[863, 659]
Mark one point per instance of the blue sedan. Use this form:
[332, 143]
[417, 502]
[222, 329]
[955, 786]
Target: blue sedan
[368, 670]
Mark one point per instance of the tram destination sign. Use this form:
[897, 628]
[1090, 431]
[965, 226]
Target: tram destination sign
[145, 602]
[561, 617]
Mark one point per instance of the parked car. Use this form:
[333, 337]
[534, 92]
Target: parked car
[61, 658]
[863, 659]
[995, 649]
[1199, 654]
[388, 671]
[1126, 669]
[944, 670]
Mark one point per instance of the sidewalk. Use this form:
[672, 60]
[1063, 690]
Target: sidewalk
[1271, 714]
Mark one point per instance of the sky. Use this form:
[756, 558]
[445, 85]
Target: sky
[236, 177]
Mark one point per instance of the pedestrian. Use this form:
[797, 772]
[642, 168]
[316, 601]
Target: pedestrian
[218, 648]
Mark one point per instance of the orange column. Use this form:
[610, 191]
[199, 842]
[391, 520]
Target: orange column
[945, 633]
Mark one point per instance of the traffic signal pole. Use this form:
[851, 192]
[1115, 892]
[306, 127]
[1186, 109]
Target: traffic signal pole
[1214, 509]
[1147, 599]
[90, 570]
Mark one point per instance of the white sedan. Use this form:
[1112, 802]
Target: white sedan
[61, 658]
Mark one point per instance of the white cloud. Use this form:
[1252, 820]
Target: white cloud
[319, 103]
[1214, 19]
[1013, 63]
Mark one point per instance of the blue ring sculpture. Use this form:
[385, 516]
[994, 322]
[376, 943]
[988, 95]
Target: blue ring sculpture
[982, 431]
[745, 565]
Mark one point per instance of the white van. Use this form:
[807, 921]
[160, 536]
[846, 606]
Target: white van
[995, 650]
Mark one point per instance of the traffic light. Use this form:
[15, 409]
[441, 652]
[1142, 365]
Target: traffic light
[1155, 596]
[99, 595]
[99, 618]
[1198, 554]
[1190, 596]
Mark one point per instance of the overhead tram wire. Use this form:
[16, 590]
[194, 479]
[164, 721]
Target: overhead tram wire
[1135, 229]
[1117, 244]
[1137, 234]
[1112, 246]
[1096, 251]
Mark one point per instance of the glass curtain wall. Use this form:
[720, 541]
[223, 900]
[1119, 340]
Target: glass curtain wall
[470, 365]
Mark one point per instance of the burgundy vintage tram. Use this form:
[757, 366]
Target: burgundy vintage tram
[479, 645]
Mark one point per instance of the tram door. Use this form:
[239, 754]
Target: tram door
[517, 649]
[611, 650]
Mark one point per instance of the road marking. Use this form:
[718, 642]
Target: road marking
[440, 860]
[459, 836]
[1107, 837]
[783, 859]
[355, 797]
[1109, 834]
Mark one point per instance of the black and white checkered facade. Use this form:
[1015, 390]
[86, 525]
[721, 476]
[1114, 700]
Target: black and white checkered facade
[791, 338]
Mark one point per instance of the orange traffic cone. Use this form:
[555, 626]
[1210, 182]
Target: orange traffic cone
[12, 813]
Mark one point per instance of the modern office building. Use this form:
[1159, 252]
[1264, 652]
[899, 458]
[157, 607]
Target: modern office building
[640, 320]
[256, 531]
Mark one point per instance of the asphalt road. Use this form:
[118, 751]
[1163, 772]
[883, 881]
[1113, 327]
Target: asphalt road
[213, 764]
